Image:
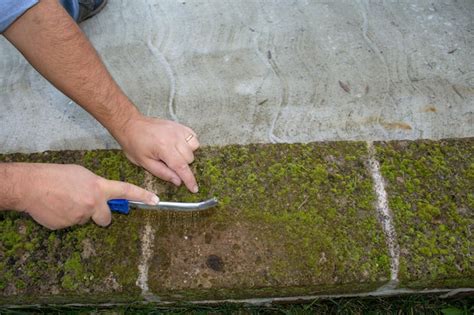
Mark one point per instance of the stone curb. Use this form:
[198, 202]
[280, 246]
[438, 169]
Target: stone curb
[294, 220]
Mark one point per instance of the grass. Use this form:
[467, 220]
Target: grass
[410, 304]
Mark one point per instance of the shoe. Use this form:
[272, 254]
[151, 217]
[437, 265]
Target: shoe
[89, 8]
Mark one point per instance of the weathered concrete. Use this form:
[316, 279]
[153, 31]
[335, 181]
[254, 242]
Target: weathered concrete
[248, 71]
[293, 220]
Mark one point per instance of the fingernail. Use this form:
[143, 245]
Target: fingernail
[195, 189]
[154, 200]
[176, 181]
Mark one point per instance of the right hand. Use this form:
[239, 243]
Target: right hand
[163, 147]
[58, 196]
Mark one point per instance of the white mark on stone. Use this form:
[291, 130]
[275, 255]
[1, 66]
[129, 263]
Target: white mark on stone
[385, 215]
[247, 87]
[147, 239]
[171, 78]
[270, 63]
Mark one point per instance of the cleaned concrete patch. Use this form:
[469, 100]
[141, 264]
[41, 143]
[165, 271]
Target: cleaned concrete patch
[249, 71]
[430, 188]
[294, 220]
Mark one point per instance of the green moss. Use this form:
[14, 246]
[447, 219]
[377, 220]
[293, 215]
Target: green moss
[306, 212]
[78, 260]
[296, 216]
[430, 187]
[73, 265]
[68, 282]
[427, 212]
[20, 284]
[292, 219]
[113, 165]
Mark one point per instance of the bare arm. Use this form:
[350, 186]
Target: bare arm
[11, 177]
[58, 49]
[53, 43]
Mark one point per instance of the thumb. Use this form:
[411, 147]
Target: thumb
[102, 216]
[115, 189]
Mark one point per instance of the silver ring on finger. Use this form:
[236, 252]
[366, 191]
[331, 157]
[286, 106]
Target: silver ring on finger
[188, 138]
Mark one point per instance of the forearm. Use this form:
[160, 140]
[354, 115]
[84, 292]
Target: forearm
[57, 48]
[12, 178]
[53, 43]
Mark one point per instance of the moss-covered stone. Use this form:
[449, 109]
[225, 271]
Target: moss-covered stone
[430, 186]
[83, 263]
[293, 219]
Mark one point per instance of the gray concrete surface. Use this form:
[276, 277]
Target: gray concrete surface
[263, 71]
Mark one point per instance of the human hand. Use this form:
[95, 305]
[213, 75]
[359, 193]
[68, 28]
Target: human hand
[163, 147]
[57, 196]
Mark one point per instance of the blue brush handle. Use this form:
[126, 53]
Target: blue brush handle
[119, 205]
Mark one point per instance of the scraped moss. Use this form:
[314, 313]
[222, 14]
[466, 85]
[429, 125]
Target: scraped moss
[292, 219]
[291, 216]
[430, 185]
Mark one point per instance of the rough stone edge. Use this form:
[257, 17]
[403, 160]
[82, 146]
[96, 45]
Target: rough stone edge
[444, 293]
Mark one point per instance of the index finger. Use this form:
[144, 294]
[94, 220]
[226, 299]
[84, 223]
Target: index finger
[178, 164]
[115, 189]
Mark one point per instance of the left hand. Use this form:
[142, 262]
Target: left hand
[163, 147]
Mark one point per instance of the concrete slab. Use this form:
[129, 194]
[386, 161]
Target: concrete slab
[248, 71]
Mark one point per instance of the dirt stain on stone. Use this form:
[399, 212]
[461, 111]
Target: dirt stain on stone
[207, 238]
[389, 125]
[429, 109]
[396, 125]
[345, 86]
[215, 263]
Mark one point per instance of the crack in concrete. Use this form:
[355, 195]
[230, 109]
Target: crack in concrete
[385, 218]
